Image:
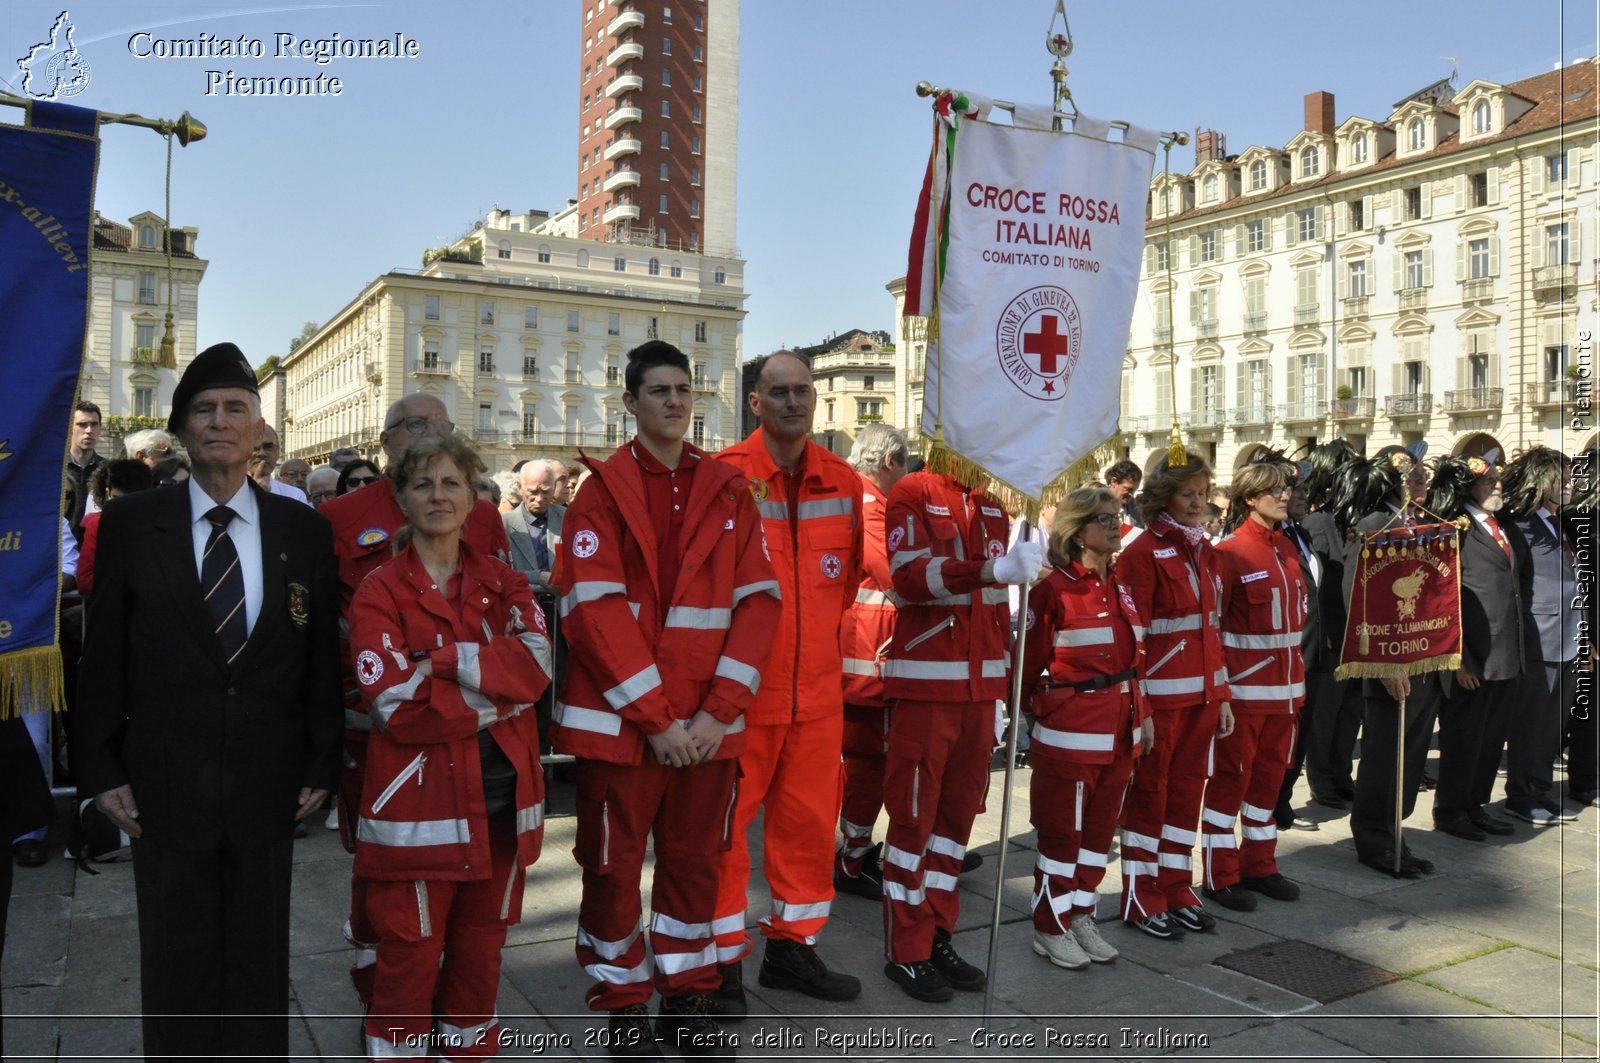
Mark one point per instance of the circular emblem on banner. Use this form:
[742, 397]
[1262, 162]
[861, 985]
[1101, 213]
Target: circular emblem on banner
[896, 537]
[997, 549]
[585, 543]
[831, 566]
[759, 489]
[372, 537]
[369, 667]
[1038, 340]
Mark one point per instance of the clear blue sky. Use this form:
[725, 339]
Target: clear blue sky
[300, 202]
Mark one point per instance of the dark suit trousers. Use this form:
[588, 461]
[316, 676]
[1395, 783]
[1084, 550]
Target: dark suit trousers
[214, 949]
[1533, 737]
[1472, 734]
[1372, 812]
[1333, 719]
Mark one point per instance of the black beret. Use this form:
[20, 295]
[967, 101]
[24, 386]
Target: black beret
[221, 365]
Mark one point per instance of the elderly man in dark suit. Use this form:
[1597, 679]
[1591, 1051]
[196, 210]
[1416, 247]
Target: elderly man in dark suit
[534, 529]
[209, 747]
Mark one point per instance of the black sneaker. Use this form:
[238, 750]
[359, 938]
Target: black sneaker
[958, 972]
[796, 965]
[685, 1026]
[868, 882]
[1274, 885]
[1233, 897]
[921, 981]
[971, 862]
[630, 1034]
[1193, 918]
[1161, 926]
[727, 1002]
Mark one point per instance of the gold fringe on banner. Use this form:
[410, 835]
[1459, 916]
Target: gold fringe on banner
[941, 458]
[1378, 670]
[32, 679]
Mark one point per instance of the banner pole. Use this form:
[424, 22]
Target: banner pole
[1399, 780]
[1013, 717]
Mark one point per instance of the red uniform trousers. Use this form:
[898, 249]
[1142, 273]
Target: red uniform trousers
[866, 739]
[359, 932]
[422, 922]
[1075, 808]
[933, 787]
[1163, 809]
[1249, 771]
[792, 770]
[687, 815]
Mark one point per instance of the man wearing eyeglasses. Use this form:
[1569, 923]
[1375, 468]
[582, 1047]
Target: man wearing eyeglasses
[364, 523]
[263, 460]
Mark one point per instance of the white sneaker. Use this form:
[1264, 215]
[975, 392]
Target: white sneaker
[1060, 949]
[1089, 940]
[332, 822]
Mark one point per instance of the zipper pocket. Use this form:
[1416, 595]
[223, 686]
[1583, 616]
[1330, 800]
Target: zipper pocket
[414, 768]
[1252, 670]
[1153, 669]
[947, 622]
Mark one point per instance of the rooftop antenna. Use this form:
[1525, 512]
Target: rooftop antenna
[1454, 62]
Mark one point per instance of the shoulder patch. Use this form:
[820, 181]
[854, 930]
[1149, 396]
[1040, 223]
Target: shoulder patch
[369, 667]
[372, 537]
[897, 535]
[1165, 551]
[759, 489]
[585, 543]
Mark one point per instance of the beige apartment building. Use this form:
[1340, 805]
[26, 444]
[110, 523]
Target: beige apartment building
[854, 376]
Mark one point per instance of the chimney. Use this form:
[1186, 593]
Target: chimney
[1209, 146]
[1319, 113]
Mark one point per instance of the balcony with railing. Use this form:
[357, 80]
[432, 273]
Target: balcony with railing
[620, 179]
[1477, 290]
[622, 116]
[1161, 334]
[625, 53]
[1411, 404]
[1555, 282]
[1549, 394]
[623, 84]
[1255, 321]
[1474, 400]
[1206, 330]
[433, 367]
[144, 356]
[1355, 408]
[1307, 313]
[1209, 419]
[1356, 307]
[1129, 426]
[625, 146]
[620, 212]
[627, 20]
[1303, 412]
[1413, 299]
[1252, 416]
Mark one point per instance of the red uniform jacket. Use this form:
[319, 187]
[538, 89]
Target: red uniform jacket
[815, 540]
[951, 639]
[1079, 632]
[1263, 621]
[422, 805]
[868, 624]
[638, 664]
[1174, 592]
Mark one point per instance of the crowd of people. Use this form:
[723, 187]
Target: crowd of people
[771, 632]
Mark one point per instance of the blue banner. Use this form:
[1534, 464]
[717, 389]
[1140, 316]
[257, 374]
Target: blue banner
[47, 171]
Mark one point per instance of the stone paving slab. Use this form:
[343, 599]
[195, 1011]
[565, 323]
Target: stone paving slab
[1407, 1019]
[1527, 983]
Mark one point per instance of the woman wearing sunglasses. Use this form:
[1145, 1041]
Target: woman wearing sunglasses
[359, 473]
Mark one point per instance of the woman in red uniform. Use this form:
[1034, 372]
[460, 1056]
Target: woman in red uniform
[450, 651]
[1168, 578]
[1090, 720]
[1261, 628]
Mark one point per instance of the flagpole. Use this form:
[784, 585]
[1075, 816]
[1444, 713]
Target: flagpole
[188, 128]
[1399, 780]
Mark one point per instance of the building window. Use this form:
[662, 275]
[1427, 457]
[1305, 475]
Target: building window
[530, 317]
[663, 174]
[867, 382]
[430, 355]
[664, 139]
[1359, 282]
[1255, 296]
[573, 374]
[666, 46]
[1310, 162]
[430, 308]
[1556, 169]
[144, 402]
[572, 321]
[699, 375]
[1258, 175]
[1413, 203]
[1477, 371]
[869, 409]
[1205, 304]
[1557, 248]
[655, 267]
[652, 329]
[1414, 272]
[719, 277]
[1209, 189]
[1255, 236]
[144, 342]
[1305, 221]
[697, 433]
[530, 365]
[666, 16]
[486, 312]
[147, 289]
[613, 430]
[1358, 148]
[699, 54]
[661, 203]
[485, 417]
[699, 85]
[1161, 256]
[544, 254]
[1208, 246]
[666, 109]
[1306, 285]
[619, 264]
[613, 371]
[530, 422]
[830, 409]
[1555, 362]
[694, 175]
[613, 324]
[504, 250]
[1480, 116]
[694, 145]
[1478, 190]
[147, 236]
[1356, 214]
[1416, 135]
[486, 361]
[1478, 259]
[666, 79]
[694, 114]
[675, 270]
[699, 331]
[694, 208]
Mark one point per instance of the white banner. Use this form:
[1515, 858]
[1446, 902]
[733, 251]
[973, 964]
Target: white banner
[1046, 231]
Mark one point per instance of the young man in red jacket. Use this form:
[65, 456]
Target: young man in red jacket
[810, 503]
[669, 606]
[946, 668]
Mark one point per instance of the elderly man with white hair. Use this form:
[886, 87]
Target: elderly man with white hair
[150, 445]
[535, 528]
[322, 485]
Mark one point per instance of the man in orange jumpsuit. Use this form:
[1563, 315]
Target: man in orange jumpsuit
[364, 522]
[810, 502]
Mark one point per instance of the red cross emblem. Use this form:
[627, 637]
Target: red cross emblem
[1049, 345]
[1038, 340]
[369, 667]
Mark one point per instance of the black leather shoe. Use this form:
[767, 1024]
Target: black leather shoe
[1193, 918]
[921, 981]
[1275, 886]
[727, 1002]
[1333, 801]
[796, 965]
[630, 1034]
[1461, 827]
[1232, 897]
[1384, 861]
[1491, 824]
[1411, 859]
[971, 861]
[868, 883]
[684, 1025]
[959, 973]
[1297, 823]
[30, 853]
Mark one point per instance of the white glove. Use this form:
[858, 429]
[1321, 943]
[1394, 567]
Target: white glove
[1021, 563]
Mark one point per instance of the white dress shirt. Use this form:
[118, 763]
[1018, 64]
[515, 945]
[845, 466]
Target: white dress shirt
[69, 550]
[245, 531]
[278, 487]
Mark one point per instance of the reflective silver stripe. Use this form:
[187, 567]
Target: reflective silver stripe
[580, 719]
[901, 858]
[1093, 636]
[1261, 834]
[1220, 841]
[868, 596]
[766, 586]
[996, 596]
[1216, 819]
[467, 672]
[665, 924]
[699, 619]
[1237, 641]
[413, 834]
[1178, 835]
[897, 891]
[530, 818]
[609, 950]
[937, 670]
[1085, 899]
[415, 767]
[938, 843]
[488, 712]
[634, 687]
[952, 599]
[996, 669]
[938, 880]
[1055, 867]
[1135, 868]
[934, 574]
[1180, 861]
[588, 591]
[728, 924]
[730, 953]
[793, 913]
[1101, 743]
[1168, 625]
[774, 510]
[1135, 840]
[827, 507]
[1255, 812]
[384, 705]
[679, 962]
[905, 557]
[613, 975]
[1088, 859]
[1062, 903]
[1250, 692]
[356, 720]
[1196, 685]
[539, 647]
[739, 672]
[857, 666]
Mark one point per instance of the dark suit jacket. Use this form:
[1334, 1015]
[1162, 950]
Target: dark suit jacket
[212, 751]
[1552, 620]
[522, 555]
[1494, 592]
[1324, 630]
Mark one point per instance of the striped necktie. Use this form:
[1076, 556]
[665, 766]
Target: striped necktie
[223, 584]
